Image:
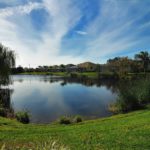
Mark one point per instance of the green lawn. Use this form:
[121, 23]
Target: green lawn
[93, 75]
[89, 74]
[35, 73]
[125, 131]
[63, 74]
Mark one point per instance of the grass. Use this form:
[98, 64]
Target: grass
[89, 74]
[65, 74]
[125, 131]
[34, 73]
[93, 75]
[62, 74]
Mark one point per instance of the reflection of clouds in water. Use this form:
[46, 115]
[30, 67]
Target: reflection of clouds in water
[88, 100]
[42, 99]
[101, 93]
[49, 100]
[55, 100]
[31, 78]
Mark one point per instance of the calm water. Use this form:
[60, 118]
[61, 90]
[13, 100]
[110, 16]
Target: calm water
[47, 98]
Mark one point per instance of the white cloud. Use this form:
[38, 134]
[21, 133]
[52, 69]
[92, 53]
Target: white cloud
[81, 32]
[33, 48]
[109, 33]
[25, 9]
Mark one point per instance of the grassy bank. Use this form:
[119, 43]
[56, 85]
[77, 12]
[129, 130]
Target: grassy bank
[125, 131]
[65, 74]
[92, 75]
[62, 74]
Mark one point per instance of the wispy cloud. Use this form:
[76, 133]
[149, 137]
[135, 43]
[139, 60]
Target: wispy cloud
[25, 9]
[116, 27]
[18, 33]
[114, 32]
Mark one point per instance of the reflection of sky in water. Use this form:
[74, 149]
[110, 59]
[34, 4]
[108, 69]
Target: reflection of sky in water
[48, 101]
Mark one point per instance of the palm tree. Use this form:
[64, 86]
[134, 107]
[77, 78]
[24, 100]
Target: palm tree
[144, 57]
[7, 61]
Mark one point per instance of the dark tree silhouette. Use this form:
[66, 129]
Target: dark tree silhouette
[7, 61]
[144, 57]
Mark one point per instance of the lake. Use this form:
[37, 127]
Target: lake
[47, 98]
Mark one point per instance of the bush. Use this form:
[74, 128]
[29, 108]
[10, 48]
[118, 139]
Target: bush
[114, 108]
[23, 117]
[65, 120]
[73, 75]
[83, 76]
[77, 119]
[69, 120]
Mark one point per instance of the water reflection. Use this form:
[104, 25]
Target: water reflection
[108, 83]
[47, 98]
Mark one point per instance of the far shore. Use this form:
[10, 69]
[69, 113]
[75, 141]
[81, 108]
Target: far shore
[90, 75]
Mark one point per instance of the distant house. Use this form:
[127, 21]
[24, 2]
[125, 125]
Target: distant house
[72, 68]
[87, 66]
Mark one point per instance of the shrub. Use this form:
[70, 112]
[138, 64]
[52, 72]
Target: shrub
[83, 76]
[114, 108]
[23, 117]
[65, 120]
[73, 75]
[69, 120]
[77, 119]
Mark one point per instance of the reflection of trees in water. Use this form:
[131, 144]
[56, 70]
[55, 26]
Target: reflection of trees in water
[108, 83]
[63, 83]
[20, 80]
[114, 85]
[5, 103]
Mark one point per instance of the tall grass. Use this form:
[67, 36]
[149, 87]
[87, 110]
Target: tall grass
[132, 96]
[47, 145]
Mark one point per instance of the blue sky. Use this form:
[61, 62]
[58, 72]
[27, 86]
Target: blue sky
[47, 32]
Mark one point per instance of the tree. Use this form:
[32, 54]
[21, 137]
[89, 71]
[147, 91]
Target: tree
[124, 66]
[144, 57]
[136, 66]
[62, 67]
[120, 65]
[7, 61]
[17, 70]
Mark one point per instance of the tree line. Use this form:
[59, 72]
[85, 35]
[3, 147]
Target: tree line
[118, 65]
